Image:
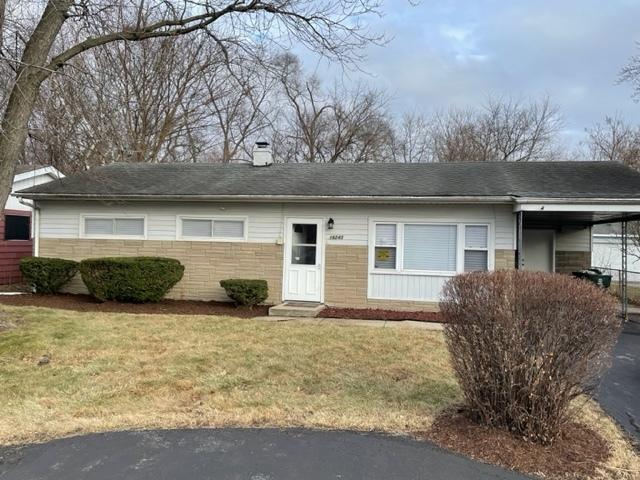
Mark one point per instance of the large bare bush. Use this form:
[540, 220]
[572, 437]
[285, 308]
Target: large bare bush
[525, 344]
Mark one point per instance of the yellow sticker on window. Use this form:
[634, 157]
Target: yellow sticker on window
[383, 254]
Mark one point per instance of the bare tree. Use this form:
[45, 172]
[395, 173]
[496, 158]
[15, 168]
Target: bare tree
[341, 125]
[615, 140]
[360, 130]
[327, 27]
[502, 130]
[300, 134]
[631, 73]
[137, 102]
[519, 131]
[240, 103]
[411, 139]
[459, 135]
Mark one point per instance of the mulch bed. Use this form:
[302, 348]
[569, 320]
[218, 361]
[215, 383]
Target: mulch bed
[86, 303]
[575, 453]
[379, 314]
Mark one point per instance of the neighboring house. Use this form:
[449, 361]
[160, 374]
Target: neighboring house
[607, 251]
[362, 235]
[16, 230]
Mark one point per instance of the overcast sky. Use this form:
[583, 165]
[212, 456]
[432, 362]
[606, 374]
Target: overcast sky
[455, 52]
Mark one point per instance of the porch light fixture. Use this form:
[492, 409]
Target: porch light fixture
[330, 224]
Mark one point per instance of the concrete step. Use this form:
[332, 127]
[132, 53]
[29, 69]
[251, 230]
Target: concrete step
[296, 309]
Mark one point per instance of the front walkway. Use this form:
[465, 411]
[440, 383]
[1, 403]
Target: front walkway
[619, 393]
[251, 454]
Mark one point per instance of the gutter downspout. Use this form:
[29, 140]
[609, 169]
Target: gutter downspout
[35, 228]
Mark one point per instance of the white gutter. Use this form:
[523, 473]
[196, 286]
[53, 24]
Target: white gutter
[35, 226]
[278, 198]
[574, 200]
[595, 205]
[558, 204]
[36, 232]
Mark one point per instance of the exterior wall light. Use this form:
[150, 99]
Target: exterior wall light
[330, 224]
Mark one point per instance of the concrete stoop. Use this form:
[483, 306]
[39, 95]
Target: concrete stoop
[296, 309]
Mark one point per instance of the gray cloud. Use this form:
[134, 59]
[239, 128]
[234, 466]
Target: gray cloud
[457, 52]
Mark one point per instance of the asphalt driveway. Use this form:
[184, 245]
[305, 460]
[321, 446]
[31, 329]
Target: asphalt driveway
[251, 454]
[619, 393]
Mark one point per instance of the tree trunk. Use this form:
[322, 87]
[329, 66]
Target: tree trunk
[3, 9]
[25, 89]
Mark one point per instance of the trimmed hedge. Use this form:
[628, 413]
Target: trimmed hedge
[246, 292]
[47, 275]
[130, 279]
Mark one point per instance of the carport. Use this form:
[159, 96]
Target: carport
[571, 217]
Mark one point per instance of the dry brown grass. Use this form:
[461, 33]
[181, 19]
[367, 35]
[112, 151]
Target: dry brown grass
[624, 462]
[123, 371]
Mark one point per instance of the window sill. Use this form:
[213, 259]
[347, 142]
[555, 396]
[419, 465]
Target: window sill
[211, 240]
[418, 273]
[112, 237]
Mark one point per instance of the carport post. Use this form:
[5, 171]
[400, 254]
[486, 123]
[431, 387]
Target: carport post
[623, 271]
[519, 252]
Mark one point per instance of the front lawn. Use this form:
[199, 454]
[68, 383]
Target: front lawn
[111, 371]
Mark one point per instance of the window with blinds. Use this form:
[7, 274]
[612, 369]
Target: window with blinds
[476, 248]
[430, 247]
[385, 246]
[212, 228]
[115, 227]
[437, 248]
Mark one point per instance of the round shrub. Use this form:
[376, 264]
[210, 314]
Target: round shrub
[246, 292]
[47, 275]
[525, 344]
[130, 279]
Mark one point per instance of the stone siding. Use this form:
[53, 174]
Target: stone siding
[206, 263]
[567, 262]
[505, 260]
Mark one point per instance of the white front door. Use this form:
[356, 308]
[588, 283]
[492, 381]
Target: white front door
[303, 260]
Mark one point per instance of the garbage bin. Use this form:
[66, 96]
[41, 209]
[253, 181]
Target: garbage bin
[594, 275]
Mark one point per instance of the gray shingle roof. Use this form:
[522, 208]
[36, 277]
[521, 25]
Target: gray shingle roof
[539, 179]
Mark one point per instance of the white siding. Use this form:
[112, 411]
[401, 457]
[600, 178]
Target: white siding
[265, 221]
[574, 240]
[607, 253]
[424, 288]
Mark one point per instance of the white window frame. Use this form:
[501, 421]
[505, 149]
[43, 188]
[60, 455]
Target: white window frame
[394, 246]
[460, 246]
[475, 249]
[128, 216]
[245, 229]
